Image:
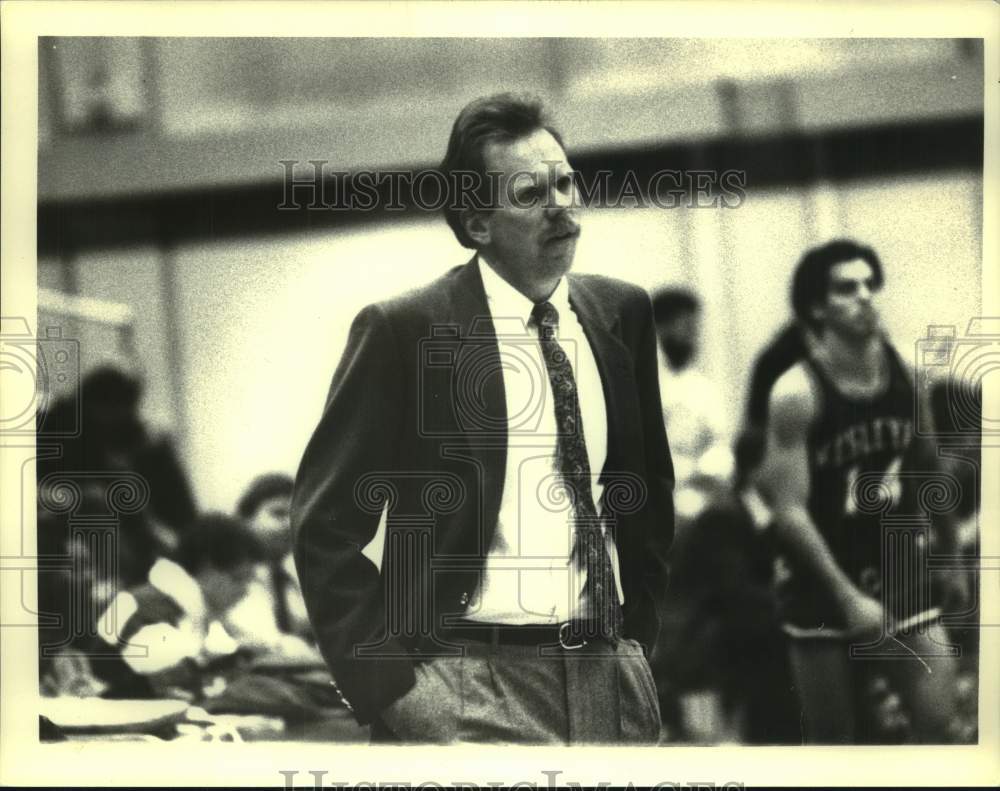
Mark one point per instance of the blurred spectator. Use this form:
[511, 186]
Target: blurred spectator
[724, 653]
[85, 559]
[95, 454]
[957, 411]
[693, 408]
[168, 630]
[68, 673]
[69, 599]
[273, 608]
[171, 638]
[113, 437]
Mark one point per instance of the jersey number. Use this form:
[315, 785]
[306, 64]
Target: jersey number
[892, 483]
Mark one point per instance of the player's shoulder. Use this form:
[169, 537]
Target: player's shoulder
[796, 382]
[794, 396]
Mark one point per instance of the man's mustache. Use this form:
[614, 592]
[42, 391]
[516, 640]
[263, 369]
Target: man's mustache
[565, 229]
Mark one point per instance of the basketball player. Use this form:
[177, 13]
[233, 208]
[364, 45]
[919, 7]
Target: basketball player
[840, 419]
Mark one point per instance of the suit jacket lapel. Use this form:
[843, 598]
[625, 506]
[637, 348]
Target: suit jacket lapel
[478, 395]
[613, 363]
[481, 401]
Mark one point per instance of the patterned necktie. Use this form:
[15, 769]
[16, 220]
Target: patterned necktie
[573, 466]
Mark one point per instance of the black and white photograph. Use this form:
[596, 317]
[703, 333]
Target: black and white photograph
[616, 379]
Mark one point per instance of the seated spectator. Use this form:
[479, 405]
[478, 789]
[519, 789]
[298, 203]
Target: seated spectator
[68, 606]
[168, 630]
[170, 637]
[112, 437]
[273, 609]
[68, 673]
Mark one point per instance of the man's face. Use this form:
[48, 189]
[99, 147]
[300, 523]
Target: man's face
[531, 235]
[679, 338]
[850, 303]
[272, 525]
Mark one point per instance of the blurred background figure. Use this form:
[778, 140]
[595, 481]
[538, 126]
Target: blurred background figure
[114, 437]
[170, 637]
[693, 409]
[724, 665]
[958, 411]
[272, 614]
[69, 603]
[113, 498]
[167, 633]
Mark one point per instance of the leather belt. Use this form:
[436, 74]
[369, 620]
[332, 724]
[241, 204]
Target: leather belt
[569, 634]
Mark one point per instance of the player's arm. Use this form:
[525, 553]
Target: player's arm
[785, 483]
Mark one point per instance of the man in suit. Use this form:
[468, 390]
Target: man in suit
[508, 418]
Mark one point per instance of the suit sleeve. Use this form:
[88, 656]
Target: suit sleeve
[659, 465]
[357, 434]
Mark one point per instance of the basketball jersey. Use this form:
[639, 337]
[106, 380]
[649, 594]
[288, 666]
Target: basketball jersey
[859, 452]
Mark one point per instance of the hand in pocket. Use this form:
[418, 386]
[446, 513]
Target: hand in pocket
[426, 712]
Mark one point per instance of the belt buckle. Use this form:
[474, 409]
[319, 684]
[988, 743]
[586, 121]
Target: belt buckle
[562, 640]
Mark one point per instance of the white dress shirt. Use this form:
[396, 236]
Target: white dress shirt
[529, 577]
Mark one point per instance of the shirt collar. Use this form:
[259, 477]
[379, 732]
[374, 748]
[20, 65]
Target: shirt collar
[507, 302]
[560, 298]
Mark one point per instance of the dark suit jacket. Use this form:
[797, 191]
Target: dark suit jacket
[416, 420]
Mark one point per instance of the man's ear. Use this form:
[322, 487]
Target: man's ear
[477, 226]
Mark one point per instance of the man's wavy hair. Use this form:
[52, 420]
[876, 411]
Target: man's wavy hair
[500, 118]
[811, 282]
